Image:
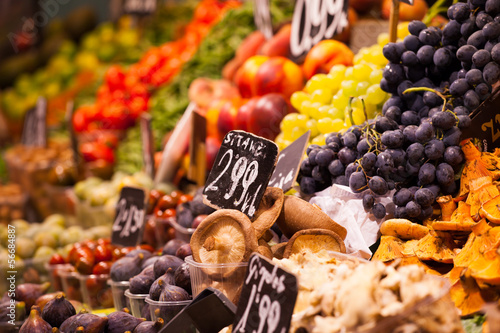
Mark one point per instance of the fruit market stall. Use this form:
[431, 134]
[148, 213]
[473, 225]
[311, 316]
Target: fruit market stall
[279, 166]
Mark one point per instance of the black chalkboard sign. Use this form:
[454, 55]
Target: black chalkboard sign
[241, 172]
[128, 226]
[35, 126]
[289, 159]
[267, 298]
[314, 21]
[485, 124]
[262, 17]
[139, 7]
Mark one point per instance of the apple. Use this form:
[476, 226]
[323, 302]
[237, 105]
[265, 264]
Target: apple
[267, 114]
[324, 55]
[279, 75]
[243, 115]
[406, 12]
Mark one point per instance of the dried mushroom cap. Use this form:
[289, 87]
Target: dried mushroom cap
[403, 229]
[390, 248]
[314, 240]
[481, 191]
[447, 205]
[461, 220]
[269, 209]
[264, 249]
[225, 236]
[298, 215]
[278, 250]
[435, 246]
[466, 295]
[491, 210]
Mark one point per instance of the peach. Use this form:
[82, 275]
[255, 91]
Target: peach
[406, 12]
[246, 74]
[324, 55]
[266, 116]
[243, 116]
[227, 117]
[279, 75]
[279, 45]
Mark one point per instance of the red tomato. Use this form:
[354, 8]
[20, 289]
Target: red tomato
[146, 247]
[57, 259]
[102, 267]
[115, 77]
[93, 151]
[108, 139]
[185, 198]
[79, 121]
[103, 253]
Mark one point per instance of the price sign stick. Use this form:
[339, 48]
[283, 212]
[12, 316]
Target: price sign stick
[41, 113]
[197, 149]
[393, 21]
[72, 136]
[175, 147]
[148, 149]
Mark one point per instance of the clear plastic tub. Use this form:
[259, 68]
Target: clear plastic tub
[164, 230]
[55, 276]
[181, 232]
[228, 278]
[138, 304]
[71, 284]
[96, 292]
[165, 310]
[118, 289]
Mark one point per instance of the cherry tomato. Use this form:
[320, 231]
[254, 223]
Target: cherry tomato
[102, 253]
[102, 267]
[185, 198]
[79, 121]
[93, 151]
[56, 259]
[166, 202]
[115, 77]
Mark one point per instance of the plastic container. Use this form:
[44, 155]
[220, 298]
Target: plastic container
[138, 304]
[55, 276]
[165, 310]
[181, 232]
[96, 292]
[164, 230]
[118, 289]
[228, 278]
[71, 284]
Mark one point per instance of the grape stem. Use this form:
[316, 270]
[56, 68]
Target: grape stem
[409, 90]
[435, 10]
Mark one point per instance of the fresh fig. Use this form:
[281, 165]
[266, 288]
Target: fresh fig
[91, 323]
[12, 311]
[145, 313]
[184, 251]
[135, 252]
[57, 310]
[171, 293]
[182, 278]
[42, 300]
[184, 215]
[149, 326]
[141, 283]
[125, 268]
[165, 262]
[172, 246]
[35, 323]
[160, 283]
[29, 292]
[150, 261]
[119, 322]
[198, 207]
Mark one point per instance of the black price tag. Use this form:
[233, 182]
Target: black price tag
[262, 17]
[148, 148]
[128, 226]
[267, 298]
[288, 165]
[485, 123]
[35, 126]
[241, 172]
[314, 21]
[139, 7]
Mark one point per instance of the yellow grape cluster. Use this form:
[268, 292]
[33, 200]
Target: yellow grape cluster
[323, 104]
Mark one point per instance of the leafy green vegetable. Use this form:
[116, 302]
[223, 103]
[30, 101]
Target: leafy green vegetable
[474, 324]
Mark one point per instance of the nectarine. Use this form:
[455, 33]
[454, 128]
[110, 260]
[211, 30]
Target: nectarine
[324, 55]
[279, 75]
[406, 12]
[245, 76]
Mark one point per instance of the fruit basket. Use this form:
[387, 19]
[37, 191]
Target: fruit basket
[118, 290]
[165, 310]
[228, 278]
[137, 305]
[96, 292]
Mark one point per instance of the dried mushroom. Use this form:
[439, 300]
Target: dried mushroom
[403, 229]
[390, 248]
[314, 240]
[435, 246]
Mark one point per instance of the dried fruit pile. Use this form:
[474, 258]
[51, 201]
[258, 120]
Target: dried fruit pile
[464, 243]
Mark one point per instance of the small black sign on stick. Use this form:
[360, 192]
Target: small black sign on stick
[267, 298]
[241, 172]
[128, 226]
[485, 123]
[314, 21]
[262, 17]
[35, 126]
[139, 7]
[288, 165]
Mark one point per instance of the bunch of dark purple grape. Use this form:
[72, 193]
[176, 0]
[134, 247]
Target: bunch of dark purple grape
[414, 146]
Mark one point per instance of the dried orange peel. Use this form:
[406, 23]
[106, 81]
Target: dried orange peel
[314, 240]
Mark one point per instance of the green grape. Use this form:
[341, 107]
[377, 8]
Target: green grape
[323, 111]
[297, 98]
[297, 133]
[338, 71]
[376, 76]
[301, 119]
[318, 81]
[323, 96]
[362, 72]
[312, 125]
[362, 87]
[375, 95]
[319, 140]
[358, 116]
[288, 122]
[335, 113]
[340, 100]
[349, 87]
[313, 111]
[383, 39]
[304, 107]
[349, 74]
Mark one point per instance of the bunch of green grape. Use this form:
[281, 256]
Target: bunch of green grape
[334, 101]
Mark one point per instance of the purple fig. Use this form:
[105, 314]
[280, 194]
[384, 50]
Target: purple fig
[141, 283]
[29, 292]
[119, 322]
[164, 263]
[135, 252]
[150, 261]
[91, 323]
[35, 323]
[171, 293]
[172, 246]
[125, 268]
[12, 311]
[182, 278]
[184, 251]
[149, 326]
[57, 310]
[157, 286]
